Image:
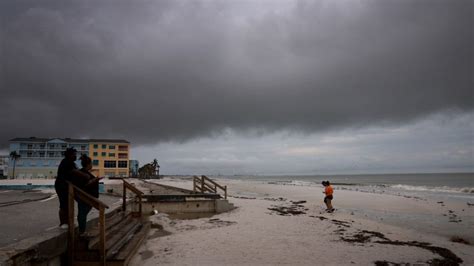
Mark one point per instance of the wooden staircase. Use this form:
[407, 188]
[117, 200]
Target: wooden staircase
[116, 237]
[204, 184]
[124, 234]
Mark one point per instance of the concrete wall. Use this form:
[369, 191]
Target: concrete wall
[195, 206]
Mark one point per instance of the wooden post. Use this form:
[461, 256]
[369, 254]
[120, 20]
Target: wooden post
[194, 183]
[102, 235]
[202, 184]
[71, 224]
[124, 203]
[140, 206]
[225, 192]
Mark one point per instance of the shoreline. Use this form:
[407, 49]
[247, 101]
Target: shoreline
[259, 232]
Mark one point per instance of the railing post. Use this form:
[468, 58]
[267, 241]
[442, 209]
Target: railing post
[225, 192]
[194, 183]
[124, 197]
[70, 224]
[202, 184]
[102, 235]
[140, 206]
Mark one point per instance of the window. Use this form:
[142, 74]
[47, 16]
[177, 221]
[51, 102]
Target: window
[45, 163]
[29, 154]
[51, 154]
[63, 146]
[110, 164]
[123, 148]
[95, 162]
[96, 146]
[123, 164]
[111, 154]
[41, 154]
[30, 146]
[96, 153]
[32, 163]
[83, 147]
[41, 146]
[103, 153]
[123, 155]
[112, 147]
[104, 146]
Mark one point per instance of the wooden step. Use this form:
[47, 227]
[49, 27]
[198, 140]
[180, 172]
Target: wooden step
[121, 246]
[126, 252]
[109, 223]
[84, 245]
[110, 232]
[113, 233]
[113, 244]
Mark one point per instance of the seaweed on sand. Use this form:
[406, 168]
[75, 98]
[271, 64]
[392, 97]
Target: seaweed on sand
[364, 236]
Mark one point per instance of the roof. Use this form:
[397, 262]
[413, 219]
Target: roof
[35, 139]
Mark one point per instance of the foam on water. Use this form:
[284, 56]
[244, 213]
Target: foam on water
[434, 189]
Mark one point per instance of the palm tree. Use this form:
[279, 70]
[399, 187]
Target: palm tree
[14, 156]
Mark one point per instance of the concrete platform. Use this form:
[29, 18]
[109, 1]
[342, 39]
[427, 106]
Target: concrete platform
[30, 213]
[30, 232]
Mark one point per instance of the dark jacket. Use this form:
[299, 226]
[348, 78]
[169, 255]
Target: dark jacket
[92, 188]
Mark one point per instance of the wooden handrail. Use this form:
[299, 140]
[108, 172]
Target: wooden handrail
[127, 185]
[97, 204]
[210, 188]
[214, 183]
[201, 184]
[85, 197]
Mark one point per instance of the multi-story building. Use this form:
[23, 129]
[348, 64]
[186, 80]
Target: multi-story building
[110, 157]
[3, 165]
[40, 157]
[134, 165]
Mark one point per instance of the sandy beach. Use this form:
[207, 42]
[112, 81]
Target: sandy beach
[281, 224]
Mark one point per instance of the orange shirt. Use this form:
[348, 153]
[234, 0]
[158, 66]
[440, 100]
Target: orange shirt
[328, 191]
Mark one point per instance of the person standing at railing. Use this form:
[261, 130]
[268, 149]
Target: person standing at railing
[90, 185]
[67, 171]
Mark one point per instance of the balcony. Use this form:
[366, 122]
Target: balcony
[123, 148]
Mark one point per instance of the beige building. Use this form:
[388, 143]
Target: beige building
[110, 158]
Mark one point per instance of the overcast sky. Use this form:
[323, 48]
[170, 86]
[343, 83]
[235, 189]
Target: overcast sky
[247, 86]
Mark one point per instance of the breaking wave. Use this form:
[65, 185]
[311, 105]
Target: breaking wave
[435, 189]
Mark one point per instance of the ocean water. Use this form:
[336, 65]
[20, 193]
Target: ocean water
[446, 190]
[452, 185]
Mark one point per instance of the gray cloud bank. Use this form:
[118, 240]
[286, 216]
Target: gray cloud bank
[152, 71]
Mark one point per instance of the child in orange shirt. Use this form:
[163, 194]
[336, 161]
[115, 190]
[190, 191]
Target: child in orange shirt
[327, 200]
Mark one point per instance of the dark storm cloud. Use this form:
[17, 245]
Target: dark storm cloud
[173, 70]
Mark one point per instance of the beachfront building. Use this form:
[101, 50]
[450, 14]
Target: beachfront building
[110, 158]
[134, 165]
[40, 157]
[4, 165]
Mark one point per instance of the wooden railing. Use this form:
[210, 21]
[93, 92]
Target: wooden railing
[75, 192]
[205, 184]
[137, 192]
